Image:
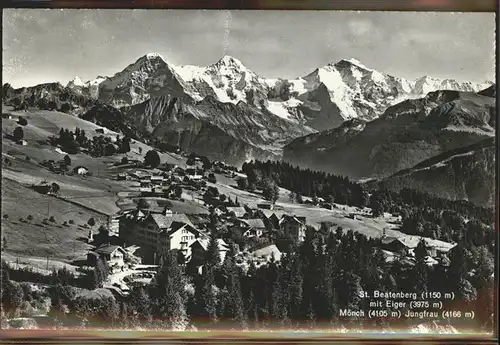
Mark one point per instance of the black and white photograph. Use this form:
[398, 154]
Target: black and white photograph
[251, 171]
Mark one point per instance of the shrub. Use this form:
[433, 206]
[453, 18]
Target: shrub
[30, 217]
[143, 204]
[22, 121]
[18, 133]
[71, 221]
[152, 159]
[52, 219]
[65, 107]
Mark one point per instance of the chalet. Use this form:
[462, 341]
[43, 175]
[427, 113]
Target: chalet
[267, 253]
[238, 211]
[22, 142]
[407, 245]
[180, 235]
[251, 227]
[121, 177]
[199, 249]
[100, 130]
[81, 170]
[112, 255]
[294, 227]
[394, 245]
[266, 206]
[274, 221]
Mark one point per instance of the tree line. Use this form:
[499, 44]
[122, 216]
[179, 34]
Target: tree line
[72, 142]
[422, 214]
[307, 288]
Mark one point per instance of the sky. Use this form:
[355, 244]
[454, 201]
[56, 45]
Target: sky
[41, 45]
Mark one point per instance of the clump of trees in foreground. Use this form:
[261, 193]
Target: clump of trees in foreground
[307, 288]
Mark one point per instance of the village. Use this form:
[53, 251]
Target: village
[151, 203]
[136, 238]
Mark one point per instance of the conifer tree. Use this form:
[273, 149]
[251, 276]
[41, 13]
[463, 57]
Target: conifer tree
[142, 304]
[168, 294]
[233, 312]
[420, 271]
[212, 258]
[206, 299]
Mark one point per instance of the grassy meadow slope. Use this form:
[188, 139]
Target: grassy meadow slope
[100, 194]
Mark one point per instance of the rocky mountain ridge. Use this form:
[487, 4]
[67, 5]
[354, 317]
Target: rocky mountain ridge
[323, 99]
[466, 173]
[406, 134]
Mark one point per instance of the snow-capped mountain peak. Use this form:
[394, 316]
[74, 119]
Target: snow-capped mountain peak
[325, 98]
[351, 62]
[154, 56]
[76, 82]
[230, 61]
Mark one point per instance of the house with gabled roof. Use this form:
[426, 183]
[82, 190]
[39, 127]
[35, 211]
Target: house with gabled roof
[250, 227]
[294, 227]
[274, 220]
[113, 255]
[180, 235]
[267, 253]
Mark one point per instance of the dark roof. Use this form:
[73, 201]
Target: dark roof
[288, 218]
[161, 220]
[108, 249]
[176, 226]
[254, 223]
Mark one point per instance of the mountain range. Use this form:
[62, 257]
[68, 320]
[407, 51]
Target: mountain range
[343, 118]
[404, 135]
[323, 99]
